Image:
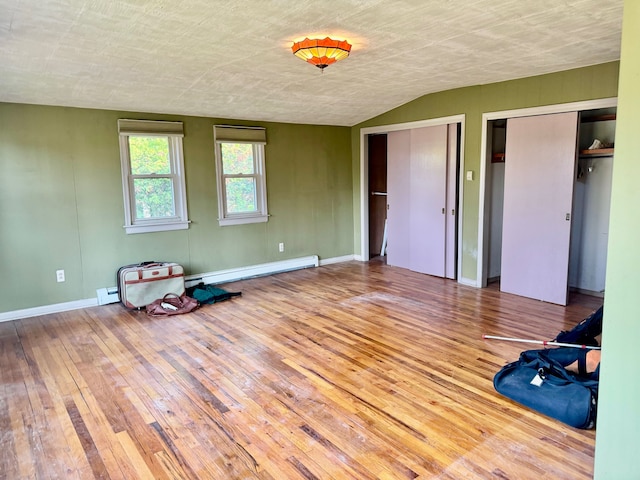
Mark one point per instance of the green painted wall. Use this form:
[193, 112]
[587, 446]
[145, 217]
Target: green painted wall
[599, 81]
[61, 207]
[619, 396]
[61, 202]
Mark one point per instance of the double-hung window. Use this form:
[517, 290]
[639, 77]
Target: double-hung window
[240, 172]
[152, 175]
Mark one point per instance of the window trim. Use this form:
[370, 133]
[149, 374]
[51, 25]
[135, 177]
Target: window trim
[256, 137]
[173, 131]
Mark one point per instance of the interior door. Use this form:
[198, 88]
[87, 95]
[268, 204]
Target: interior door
[416, 186]
[428, 187]
[538, 191]
[398, 198]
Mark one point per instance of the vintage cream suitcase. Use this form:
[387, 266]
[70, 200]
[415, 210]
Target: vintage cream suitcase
[141, 284]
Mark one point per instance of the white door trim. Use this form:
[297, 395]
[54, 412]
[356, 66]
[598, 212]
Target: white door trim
[481, 274]
[364, 177]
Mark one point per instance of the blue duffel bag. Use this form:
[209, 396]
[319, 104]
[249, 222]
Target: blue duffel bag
[539, 380]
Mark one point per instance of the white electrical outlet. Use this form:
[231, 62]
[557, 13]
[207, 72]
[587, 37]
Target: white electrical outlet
[281, 247]
[60, 276]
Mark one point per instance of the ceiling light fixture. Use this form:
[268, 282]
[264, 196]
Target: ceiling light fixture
[321, 52]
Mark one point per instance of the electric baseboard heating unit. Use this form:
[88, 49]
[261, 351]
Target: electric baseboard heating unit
[110, 294]
[243, 273]
[107, 295]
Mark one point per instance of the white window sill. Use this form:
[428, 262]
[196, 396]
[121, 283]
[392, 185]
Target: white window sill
[223, 222]
[157, 227]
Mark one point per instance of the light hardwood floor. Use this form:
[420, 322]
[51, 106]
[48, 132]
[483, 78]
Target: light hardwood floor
[347, 371]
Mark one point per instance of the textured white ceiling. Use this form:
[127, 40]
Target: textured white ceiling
[232, 59]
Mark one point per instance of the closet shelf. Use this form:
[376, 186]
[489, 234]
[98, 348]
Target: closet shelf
[597, 152]
[599, 118]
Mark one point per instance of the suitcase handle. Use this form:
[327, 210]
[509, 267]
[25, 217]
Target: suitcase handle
[151, 265]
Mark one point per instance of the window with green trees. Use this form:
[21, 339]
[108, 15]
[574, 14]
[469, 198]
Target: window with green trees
[238, 169]
[151, 176]
[240, 173]
[153, 183]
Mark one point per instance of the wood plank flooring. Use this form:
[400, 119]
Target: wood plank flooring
[347, 371]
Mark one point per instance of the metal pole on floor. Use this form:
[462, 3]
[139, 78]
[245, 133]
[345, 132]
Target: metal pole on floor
[540, 342]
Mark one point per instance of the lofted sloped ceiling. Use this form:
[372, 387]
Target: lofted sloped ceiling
[233, 59]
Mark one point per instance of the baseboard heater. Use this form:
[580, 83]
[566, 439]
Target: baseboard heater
[107, 295]
[110, 294]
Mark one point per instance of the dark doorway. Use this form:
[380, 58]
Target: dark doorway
[377, 192]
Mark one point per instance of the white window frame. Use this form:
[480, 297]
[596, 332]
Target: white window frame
[246, 135]
[173, 131]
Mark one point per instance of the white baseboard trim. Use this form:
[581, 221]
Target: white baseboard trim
[470, 282]
[344, 258]
[47, 309]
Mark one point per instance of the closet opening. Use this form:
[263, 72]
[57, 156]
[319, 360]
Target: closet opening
[591, 202]
[413, 189]
[580, 205]
[377, 198]
[496, 142]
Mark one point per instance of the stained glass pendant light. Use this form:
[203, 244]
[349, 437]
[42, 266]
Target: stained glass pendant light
[321, 52]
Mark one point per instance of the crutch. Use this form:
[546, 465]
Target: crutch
[540, 342]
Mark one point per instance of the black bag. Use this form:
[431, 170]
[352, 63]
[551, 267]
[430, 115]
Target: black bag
[210, 294]
[538, 380]
[585, 332]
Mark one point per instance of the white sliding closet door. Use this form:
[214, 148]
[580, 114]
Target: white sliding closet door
[416, 186]
[538, 194]
[398, 198]
[428, 185]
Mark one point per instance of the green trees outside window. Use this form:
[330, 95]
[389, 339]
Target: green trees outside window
[152, 176]
[239, 169]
